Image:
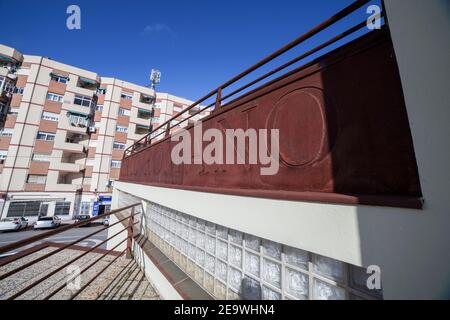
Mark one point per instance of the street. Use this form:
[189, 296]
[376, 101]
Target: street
[64, 237]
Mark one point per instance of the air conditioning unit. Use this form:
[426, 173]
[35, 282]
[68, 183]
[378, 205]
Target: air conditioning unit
[92, 129]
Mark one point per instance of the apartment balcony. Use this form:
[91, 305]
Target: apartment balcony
[86, 87]
[74, 122]
[70, 147]
[67, 167]
[78, 109]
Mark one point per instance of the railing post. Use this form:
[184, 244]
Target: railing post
[167, 129]
[218, 100]
[130, 234]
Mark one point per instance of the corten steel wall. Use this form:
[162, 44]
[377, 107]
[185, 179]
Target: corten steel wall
[344, 135]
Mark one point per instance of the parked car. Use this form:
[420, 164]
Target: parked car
[47, 222]
[83, 217]
[13, 224]
[106, 221]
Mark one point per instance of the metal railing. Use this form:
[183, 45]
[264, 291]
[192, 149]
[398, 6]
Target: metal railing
[128, 222]
[219, 98]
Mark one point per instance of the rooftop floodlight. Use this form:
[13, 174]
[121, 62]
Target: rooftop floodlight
[155, 77]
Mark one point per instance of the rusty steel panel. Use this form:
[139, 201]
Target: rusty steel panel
[344, 135]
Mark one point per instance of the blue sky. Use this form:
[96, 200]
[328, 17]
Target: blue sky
[197, 44]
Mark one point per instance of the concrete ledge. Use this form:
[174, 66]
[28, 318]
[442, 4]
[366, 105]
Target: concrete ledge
[165, 276]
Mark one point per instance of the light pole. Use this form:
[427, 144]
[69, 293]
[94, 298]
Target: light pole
[155, 78]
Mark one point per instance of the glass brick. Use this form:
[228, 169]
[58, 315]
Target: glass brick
[191, 251]
[200, 257]
[272, 249]
[252, 242]
[236, 236]
[183, 262]
[252, 263]
[358, 280]
[233, 295]
[210, 263]
[222, 250]
[297, 284]
[236, 256]
[184, 246]
[324, 291]
[192, 235]
[190, 269]
[221, 270]
[251, 289]
[201, 224]
[234, 278]
[192, 222]
[200, 239]
[211, 228]
[210, 244]
[296, 257]
[198, 274]
[208, 282]
[330, 268]
[185, 232]
[220, 290]
[222, 232]
[272, 272]
[269, 294]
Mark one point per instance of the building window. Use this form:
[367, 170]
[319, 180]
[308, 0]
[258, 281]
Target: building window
[41, 157]
[6, 85]
[24, 209]
[14, 111]
[155, 120]
[54, 97]
[101, 91]
[115, 164]
[99, 108]
[6, 132]
[85, 207]
[84, 101]
[58, 78]
[126, 96]
[147, 99]
[18, 90]
[124, 112]
[121, 129]
[118, 146]
[62, 208]
[3, 154]
[144, 114]
[45, 136]
[78, 120]
[50, 116]
[36, 179]
[177, 108]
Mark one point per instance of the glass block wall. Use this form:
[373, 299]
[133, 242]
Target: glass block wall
[232, 265]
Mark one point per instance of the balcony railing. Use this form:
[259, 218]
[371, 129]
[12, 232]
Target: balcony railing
[165, 128]
[129, 221]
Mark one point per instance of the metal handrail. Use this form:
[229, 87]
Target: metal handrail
[147, 139]
[24, 242]
[128, 239]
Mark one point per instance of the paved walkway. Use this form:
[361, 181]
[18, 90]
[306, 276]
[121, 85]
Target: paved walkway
[123, 280]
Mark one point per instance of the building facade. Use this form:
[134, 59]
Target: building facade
[318, 231]
[63, 134]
